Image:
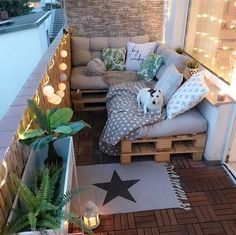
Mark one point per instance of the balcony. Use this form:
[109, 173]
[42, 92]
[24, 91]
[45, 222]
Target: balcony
[208, 187]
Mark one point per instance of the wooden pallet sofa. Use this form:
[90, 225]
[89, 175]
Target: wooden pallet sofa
[185, 133]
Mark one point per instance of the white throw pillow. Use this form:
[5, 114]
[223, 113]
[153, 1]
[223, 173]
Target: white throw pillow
[187, 96]
[137, 53]
[169, 82]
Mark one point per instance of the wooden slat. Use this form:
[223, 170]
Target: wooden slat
[164, 146]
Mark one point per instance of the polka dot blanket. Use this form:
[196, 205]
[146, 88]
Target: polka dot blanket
[124, 117]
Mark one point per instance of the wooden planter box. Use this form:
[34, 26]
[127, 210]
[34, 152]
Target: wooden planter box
[64, 147]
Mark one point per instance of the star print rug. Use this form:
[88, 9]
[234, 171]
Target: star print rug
[139, 186]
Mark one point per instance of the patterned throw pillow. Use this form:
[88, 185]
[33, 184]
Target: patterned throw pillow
[114, 58]
[150, 66]
[187, 96]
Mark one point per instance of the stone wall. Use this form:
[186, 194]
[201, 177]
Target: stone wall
[92, 18]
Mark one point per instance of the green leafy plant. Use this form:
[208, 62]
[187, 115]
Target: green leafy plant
[192, 64]
[179, 50]
[41, 207]
[53, 124]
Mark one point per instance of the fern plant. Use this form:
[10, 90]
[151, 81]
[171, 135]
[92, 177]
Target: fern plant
[41, 207]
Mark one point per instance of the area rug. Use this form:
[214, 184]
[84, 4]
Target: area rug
[139, 186]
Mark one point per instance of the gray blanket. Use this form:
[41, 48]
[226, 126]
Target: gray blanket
[124, 117]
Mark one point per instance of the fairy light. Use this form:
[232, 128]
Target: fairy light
[63, 77]
[50, 66]
[4, 164]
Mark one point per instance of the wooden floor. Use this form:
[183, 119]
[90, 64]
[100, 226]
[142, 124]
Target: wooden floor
[210, 191]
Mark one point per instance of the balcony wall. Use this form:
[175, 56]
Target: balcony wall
[116, 17]
[18, 118]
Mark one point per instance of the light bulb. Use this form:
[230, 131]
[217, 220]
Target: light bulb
[63, 66]
[55, 99]
[48, 90]
[60, 93]
[64, 53]
[63, 77]
[61, 86]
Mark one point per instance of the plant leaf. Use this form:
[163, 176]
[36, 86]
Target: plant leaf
[31, 133]
[17, 225]
[41, 143]
[77, 126]
[38, 114]
[60, 116]
[63, 129]
[25, 194]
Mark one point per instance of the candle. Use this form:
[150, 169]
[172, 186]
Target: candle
[221, 96]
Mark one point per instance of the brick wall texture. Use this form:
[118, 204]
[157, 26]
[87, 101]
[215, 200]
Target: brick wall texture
[91, 18]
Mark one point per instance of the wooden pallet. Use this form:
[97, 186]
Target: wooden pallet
[162, 148]
[88, 100]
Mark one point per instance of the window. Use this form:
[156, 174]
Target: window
[211, 35]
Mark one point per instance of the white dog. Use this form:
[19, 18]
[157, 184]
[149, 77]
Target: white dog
[150, 99]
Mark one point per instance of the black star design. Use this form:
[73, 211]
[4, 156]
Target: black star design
[117, 187]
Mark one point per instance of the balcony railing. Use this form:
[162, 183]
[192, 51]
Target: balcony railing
[52, 71]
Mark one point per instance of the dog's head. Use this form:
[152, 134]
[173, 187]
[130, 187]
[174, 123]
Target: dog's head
[156, 97]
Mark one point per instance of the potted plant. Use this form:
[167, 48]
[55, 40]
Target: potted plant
[52, 125]
[179, 50]
[40, 209]
[192, 66]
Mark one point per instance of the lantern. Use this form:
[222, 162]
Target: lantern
[90, 215]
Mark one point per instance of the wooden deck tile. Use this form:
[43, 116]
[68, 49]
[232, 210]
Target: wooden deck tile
[211, 194]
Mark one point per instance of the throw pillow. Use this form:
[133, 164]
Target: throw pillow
[150, 66]
[114, 58]
[96, 67]
[187, 96]
[169, 82]
[137, 53]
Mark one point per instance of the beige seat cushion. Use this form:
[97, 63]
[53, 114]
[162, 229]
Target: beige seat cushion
[80, 80]
[117, 77]
[187, 123]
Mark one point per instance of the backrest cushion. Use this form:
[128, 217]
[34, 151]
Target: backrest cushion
[80, 49]
[85, 49]
[96, 46]
[171, 57]
[118, 42]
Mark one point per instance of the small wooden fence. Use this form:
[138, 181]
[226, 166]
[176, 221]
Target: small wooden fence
[53, 70]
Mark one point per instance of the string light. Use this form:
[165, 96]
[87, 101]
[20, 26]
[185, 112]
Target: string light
[63, 66]
[48, 90]
[63, 77]
[4, 164]
[50, 66]
[64, 53]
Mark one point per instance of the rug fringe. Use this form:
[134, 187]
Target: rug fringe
[179, 192]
